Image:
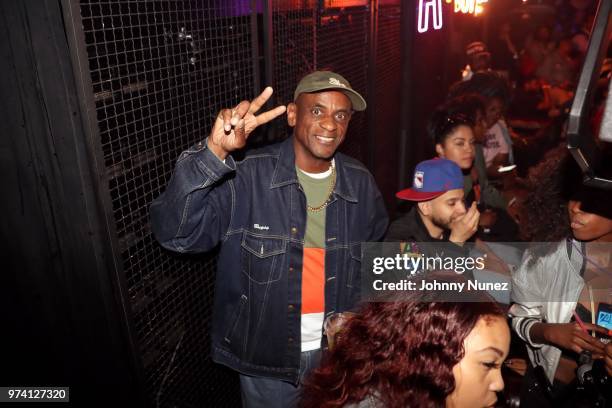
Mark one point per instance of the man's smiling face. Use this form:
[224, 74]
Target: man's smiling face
[320, 122]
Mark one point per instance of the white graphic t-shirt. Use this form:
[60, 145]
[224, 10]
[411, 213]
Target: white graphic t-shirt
[494, 143]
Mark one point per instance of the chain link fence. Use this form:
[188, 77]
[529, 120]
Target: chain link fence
[160, 71]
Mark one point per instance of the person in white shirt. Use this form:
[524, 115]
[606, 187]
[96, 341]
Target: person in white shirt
[557, 289]
[495, 148]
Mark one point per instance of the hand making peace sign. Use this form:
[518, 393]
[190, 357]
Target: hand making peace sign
[233, 126]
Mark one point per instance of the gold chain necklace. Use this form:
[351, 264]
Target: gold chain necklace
[332, 184]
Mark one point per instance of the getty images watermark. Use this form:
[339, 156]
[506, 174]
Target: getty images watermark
[388, 269]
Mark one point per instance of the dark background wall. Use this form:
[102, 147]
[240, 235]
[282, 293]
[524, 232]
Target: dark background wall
[63, 323]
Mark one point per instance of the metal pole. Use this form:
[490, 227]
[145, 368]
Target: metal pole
[407, 31]
[371, 88]
[268, 34]
[268, 47]
[317, 11]
[255, 49]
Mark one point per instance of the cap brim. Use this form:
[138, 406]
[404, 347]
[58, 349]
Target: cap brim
[480, 54]
[359, 104]
[413, 195]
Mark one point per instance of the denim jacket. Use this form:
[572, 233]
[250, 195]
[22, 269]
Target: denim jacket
[256, 210]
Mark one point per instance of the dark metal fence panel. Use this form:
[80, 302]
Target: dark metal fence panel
[312, 35]
[293, 43]
[338, 35]
[159, 72]
[343, 46]
[386, 100]
[294, 29]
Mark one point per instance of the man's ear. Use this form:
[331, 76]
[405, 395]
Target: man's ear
[439, 150]
[424, 207]
[291, 114]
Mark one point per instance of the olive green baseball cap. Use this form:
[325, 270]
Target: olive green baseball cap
[323, 80]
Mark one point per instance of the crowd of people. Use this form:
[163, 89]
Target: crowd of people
[289, 220]
[542, 70]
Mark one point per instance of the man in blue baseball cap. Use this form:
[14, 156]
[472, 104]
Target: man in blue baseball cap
[439, 213]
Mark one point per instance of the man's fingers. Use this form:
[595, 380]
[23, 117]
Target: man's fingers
[590, 343]
[472, 216]
[472, 211]
[476, 219]
[579, 344]
[460, 219]
[271, 114]
[226, 116]
[472, 223]
[590, 347]
[599, 329]
[260, 100]
[596, 345]
[576, 348]
[239, 129]
[239, 111]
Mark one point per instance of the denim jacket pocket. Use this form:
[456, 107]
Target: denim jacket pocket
[235, 320]
[262, 257]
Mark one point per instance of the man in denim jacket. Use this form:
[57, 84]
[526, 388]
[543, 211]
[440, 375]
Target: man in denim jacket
[258, 209]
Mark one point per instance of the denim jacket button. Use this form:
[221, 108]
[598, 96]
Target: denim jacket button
[293, 230]
[290, 339]
[291, 269]
[290, 308]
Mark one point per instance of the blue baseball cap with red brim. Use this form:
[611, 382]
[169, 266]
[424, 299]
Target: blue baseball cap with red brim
[431, 179]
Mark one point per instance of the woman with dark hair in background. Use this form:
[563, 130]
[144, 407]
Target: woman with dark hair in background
[415, 353]
[457, 130]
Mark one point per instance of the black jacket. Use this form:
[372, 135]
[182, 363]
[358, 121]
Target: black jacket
[410, 228]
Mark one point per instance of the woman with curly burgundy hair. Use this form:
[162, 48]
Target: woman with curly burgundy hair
[414, 354]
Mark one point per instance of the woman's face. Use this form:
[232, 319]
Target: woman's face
[588, 227]
[478, 374]
[495, 110]
[458, 147]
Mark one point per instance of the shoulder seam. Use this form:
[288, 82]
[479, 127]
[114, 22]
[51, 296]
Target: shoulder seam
[259, 156]
[357, 166]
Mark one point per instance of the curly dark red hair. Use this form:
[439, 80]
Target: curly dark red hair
[400, 352]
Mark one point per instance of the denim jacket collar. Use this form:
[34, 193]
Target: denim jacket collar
[284, 172]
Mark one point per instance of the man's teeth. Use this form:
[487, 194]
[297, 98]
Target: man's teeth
[325, 139]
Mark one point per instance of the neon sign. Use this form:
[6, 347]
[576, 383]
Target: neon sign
[468, 6]
[427, 8]
[431, 10]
